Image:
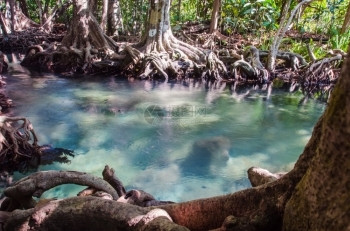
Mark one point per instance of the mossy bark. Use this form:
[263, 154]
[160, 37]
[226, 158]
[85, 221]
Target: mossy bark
[321, 200]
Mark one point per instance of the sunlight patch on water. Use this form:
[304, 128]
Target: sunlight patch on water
[199, 142]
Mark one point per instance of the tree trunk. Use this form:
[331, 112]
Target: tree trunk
[24, 7]
[103, 24]
[83, 44]
[40, 11]
[46, 10]
[179, 10]
[321, 200]
[85, 33]
[346, 22]
[159, 45]
[93, 4]
[13, 14]
[283, 27]
[215, 16]
[3, 26]
[115, 20]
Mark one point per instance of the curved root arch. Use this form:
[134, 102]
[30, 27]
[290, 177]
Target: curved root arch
[36, 184]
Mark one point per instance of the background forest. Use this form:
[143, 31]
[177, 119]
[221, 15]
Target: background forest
[323, 23]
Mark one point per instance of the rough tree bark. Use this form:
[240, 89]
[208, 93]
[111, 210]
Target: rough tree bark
[104, 15]
[13, 14]
[13, 19]
[84, 43]
[85, 33]
[115, 19]
[3, 25]
[321, 201]
[24, 7]
[215, 16]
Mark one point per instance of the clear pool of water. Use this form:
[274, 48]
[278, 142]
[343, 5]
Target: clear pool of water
[177, 141]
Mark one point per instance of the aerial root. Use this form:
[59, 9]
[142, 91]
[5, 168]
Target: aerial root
[178, 56]
[321, 75]
[251, 68]
[150, 63]
[214, 67]
[17, 139]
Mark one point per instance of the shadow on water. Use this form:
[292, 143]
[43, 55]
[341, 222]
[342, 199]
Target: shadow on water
[178, 140]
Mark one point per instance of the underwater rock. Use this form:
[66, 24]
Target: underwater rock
[206, 153]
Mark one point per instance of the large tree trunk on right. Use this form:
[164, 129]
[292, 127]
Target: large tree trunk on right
[321, 200]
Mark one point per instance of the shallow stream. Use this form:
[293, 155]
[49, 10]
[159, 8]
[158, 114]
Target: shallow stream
[177, 141]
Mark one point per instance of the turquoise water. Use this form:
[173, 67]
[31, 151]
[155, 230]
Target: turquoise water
[177, 141]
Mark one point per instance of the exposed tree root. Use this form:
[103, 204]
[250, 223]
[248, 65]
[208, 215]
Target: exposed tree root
[259, 176]
[17, 139]
[114, 216]
[320, 76]
[19, 148]
[315, 79]
[252, 69]
[42, 181]
[21, 40]
[176, 56]
[292, 60]
[160, 52]
[84, 44]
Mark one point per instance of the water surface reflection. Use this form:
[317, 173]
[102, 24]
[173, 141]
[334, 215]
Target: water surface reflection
[178, 141]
